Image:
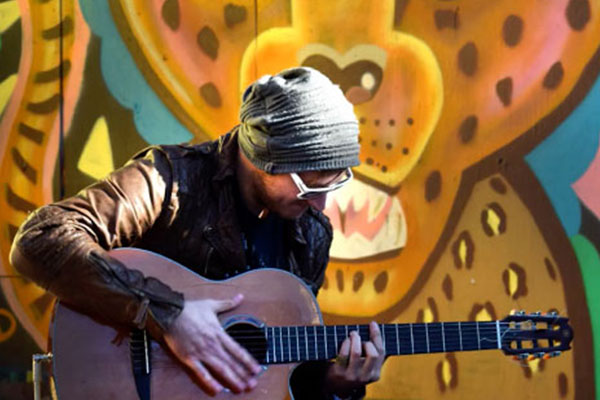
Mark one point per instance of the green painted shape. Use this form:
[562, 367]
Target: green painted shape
[589, 262]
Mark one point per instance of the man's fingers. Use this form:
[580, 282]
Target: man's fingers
[240, 354]
[220, 306]
[375, 335]
[370, 367]
[225, 374]
[206, 380]
[355, 347]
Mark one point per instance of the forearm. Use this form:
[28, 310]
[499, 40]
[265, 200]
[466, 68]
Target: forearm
[57, 252]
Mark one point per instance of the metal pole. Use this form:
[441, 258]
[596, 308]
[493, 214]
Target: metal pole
[37, 360]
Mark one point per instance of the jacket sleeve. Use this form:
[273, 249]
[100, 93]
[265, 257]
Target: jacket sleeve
[63, 246]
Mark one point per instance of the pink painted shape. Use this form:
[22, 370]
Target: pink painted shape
[357, 220]
[587, 186]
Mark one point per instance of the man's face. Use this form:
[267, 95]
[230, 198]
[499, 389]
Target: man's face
[279, 192]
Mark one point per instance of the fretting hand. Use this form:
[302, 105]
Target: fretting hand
[198, 340]
[352, 369]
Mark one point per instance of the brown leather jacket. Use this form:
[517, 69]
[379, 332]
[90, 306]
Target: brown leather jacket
[178, 201]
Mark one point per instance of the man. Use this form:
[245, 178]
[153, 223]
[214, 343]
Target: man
[251, 199]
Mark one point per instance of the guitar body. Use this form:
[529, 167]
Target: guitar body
[92, 360]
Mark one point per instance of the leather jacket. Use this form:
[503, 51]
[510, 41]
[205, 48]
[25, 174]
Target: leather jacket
[176, 200]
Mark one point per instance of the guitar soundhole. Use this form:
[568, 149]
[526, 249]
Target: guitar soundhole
[251, 337]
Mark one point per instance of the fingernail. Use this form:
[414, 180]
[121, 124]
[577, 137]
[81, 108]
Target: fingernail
[238, 297]
[252, 383]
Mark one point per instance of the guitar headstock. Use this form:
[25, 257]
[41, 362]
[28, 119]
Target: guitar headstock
[536, 335]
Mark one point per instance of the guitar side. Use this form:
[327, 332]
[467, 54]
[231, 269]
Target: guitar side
[92, 359]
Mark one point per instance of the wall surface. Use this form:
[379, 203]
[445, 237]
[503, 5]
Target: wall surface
[479, 188]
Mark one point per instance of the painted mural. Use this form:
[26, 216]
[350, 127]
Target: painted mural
[479, 188]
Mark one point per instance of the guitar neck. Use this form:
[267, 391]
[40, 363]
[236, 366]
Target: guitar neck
[303, 343]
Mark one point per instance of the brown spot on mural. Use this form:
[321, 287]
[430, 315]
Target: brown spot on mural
[433, 186]
[30, 133]
[325, 283]
[26, 168]
[483, 312]
[339, 278]
[381, 282]
[463, 250]
[512, 30]
[550, 268]
[210, 94]
[357, 281]
[563, 385]
[170, 14]
[45, 106]
[498, 185]
[208, 42]
[62, 29]
[467, 129]
[446, 19]
[515, 281]
[446, 372]
[554, 76]
[17, 202]
[234, 14]
[467, 59]
[447, 287]
[578, 14]
[53, 74]
[504, 89]
[429, 314]
[493, 220]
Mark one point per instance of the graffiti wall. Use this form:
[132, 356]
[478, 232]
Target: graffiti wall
[479, 188]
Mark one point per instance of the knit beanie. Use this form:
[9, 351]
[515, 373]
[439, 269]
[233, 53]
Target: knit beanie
[296, 121]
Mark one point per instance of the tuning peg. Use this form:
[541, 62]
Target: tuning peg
[523, 356]
[536, 314]
[556, 353]
[547, 356]
[552, 314]
[531, 357]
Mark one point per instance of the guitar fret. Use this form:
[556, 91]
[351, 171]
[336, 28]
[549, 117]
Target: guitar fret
[335, 338]
[298, 344]
[478, 338]
[306, 342]
[325, 337]
[460, 336]
[268, 349]
[281, 342]
[412, 339]
[346, 330]
[427, 337]
[316, 349]
[382, 329]
[397, 340]
[274, 345]
[289, 344]
[443, 338]
[498, 339]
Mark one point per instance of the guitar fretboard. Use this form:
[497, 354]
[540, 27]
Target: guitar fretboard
[302, 343]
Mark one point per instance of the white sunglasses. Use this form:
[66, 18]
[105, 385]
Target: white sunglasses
[307, 193]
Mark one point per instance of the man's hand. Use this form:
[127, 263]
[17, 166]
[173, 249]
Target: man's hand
[351, 370]
[198, 340]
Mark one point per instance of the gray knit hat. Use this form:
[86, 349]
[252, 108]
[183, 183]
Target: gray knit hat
[297, 120]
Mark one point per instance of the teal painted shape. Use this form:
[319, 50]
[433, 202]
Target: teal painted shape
[589, 262]
[565, 155]
[155, 123]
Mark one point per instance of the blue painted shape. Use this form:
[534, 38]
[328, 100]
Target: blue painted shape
[565, 155]
[153, 120]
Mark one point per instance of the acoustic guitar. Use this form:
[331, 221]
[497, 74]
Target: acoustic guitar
[279, 323]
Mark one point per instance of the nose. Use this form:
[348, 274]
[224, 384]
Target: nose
[318, 202]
